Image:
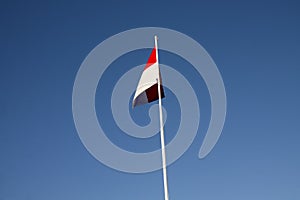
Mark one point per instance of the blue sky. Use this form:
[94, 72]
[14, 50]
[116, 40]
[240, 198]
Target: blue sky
[255, 45]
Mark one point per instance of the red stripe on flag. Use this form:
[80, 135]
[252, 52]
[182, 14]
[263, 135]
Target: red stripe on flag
[152, 59]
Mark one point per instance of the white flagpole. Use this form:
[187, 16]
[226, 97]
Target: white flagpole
[162, 136]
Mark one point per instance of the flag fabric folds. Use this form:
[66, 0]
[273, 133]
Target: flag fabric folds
[147, 89]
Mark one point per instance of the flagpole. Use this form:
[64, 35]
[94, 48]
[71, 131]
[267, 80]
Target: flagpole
[162, 136]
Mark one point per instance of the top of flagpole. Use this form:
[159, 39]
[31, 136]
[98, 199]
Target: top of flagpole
[156, 47]
[155, 39]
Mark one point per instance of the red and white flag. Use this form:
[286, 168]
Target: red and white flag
[150, 89]
[147, 89]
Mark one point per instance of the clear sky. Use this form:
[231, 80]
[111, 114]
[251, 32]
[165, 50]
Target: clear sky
[255, 45]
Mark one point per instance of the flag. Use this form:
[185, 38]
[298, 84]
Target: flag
[150, 89]
[147, 89]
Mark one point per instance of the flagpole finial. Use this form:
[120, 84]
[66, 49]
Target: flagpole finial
[155, 41]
